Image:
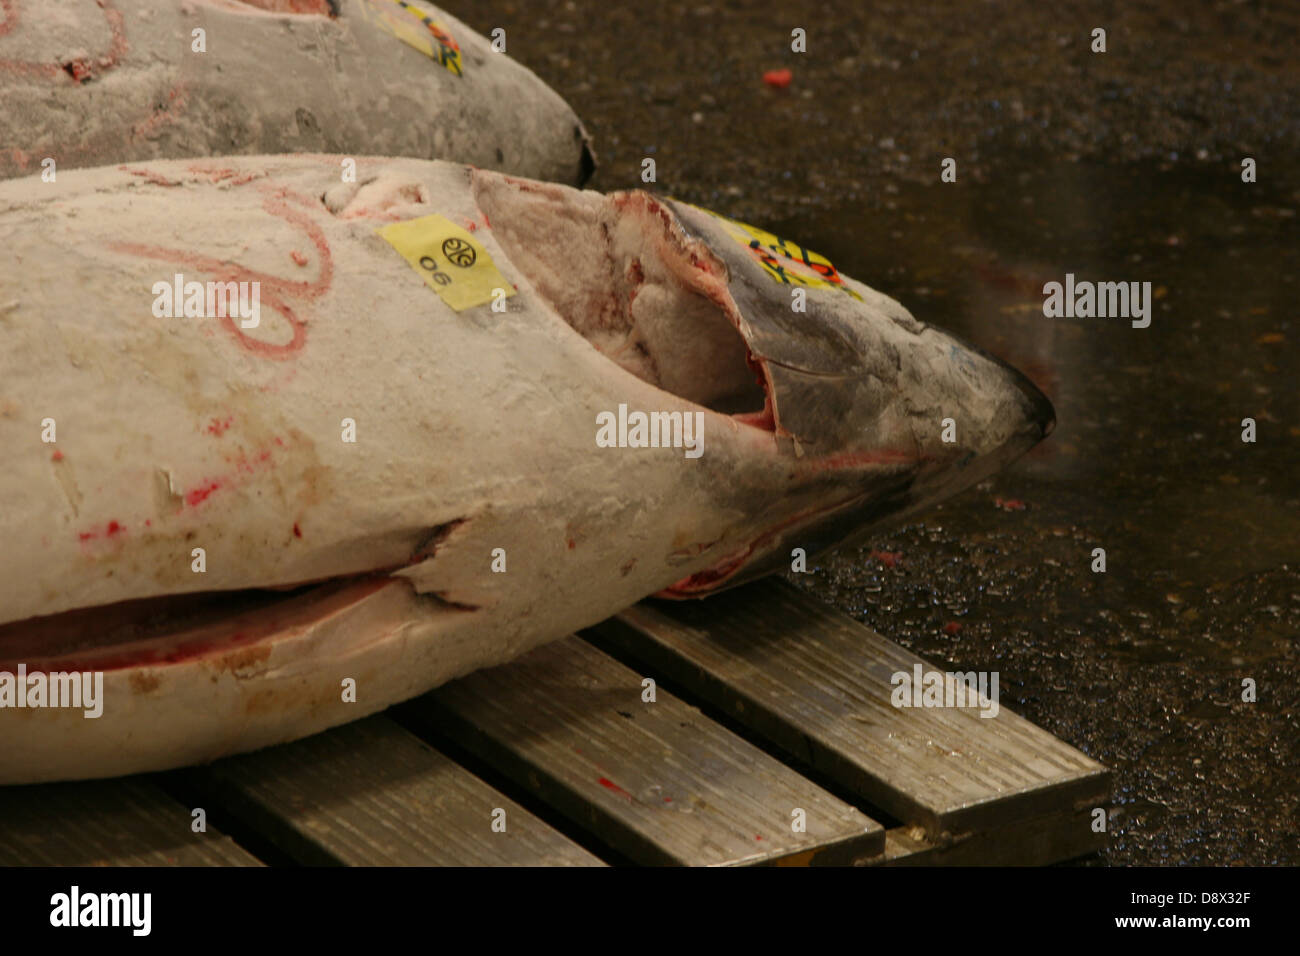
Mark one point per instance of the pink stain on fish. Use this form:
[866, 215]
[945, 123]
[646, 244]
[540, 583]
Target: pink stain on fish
[110, 530]
[244, 464]
[79, 68]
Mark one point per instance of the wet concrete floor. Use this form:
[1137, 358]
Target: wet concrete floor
[1140, 666]
[1125, 168]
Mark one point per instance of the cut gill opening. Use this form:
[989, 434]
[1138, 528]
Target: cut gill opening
[621, 273]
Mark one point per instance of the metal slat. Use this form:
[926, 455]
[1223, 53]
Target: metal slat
[818, 684]
[123, 822]
[372, 794]
[659, 782]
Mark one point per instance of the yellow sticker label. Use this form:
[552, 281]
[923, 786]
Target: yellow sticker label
[784, 261]
[417, 29]
[449, 259]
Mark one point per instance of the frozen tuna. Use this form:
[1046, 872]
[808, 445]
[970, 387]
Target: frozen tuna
[267, 433]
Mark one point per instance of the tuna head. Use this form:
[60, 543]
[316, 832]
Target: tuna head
[837, 409]
[886, 414]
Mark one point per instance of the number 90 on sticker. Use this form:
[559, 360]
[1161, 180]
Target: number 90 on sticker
[450, 261]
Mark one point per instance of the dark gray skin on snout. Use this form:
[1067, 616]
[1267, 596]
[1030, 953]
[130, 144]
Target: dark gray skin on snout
[864, 393]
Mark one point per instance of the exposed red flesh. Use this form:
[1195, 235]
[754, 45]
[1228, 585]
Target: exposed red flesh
[172, 629]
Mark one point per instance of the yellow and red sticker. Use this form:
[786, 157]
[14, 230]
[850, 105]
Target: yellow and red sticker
[783, 261]
[417, 29]
[452, 262]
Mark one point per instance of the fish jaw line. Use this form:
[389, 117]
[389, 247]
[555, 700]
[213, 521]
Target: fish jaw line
[760, 555]
[844, 469]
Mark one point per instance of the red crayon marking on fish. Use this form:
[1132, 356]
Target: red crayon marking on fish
[96, 148]
[99, 147]
[778, 79]
[157, 119]
[148, 174]
[274, 289]
[1009, 504]
[57, 456]
[243, 465]
[110, 530]
[222, 174]
[10, 8]
[889, 559]
[218, 426]
[78, 69]
[200, 495]
[214, 174]
[952, 627]
[611, 785]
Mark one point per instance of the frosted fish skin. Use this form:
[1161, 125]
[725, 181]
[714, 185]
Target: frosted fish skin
[89, 84]
[476, 437]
